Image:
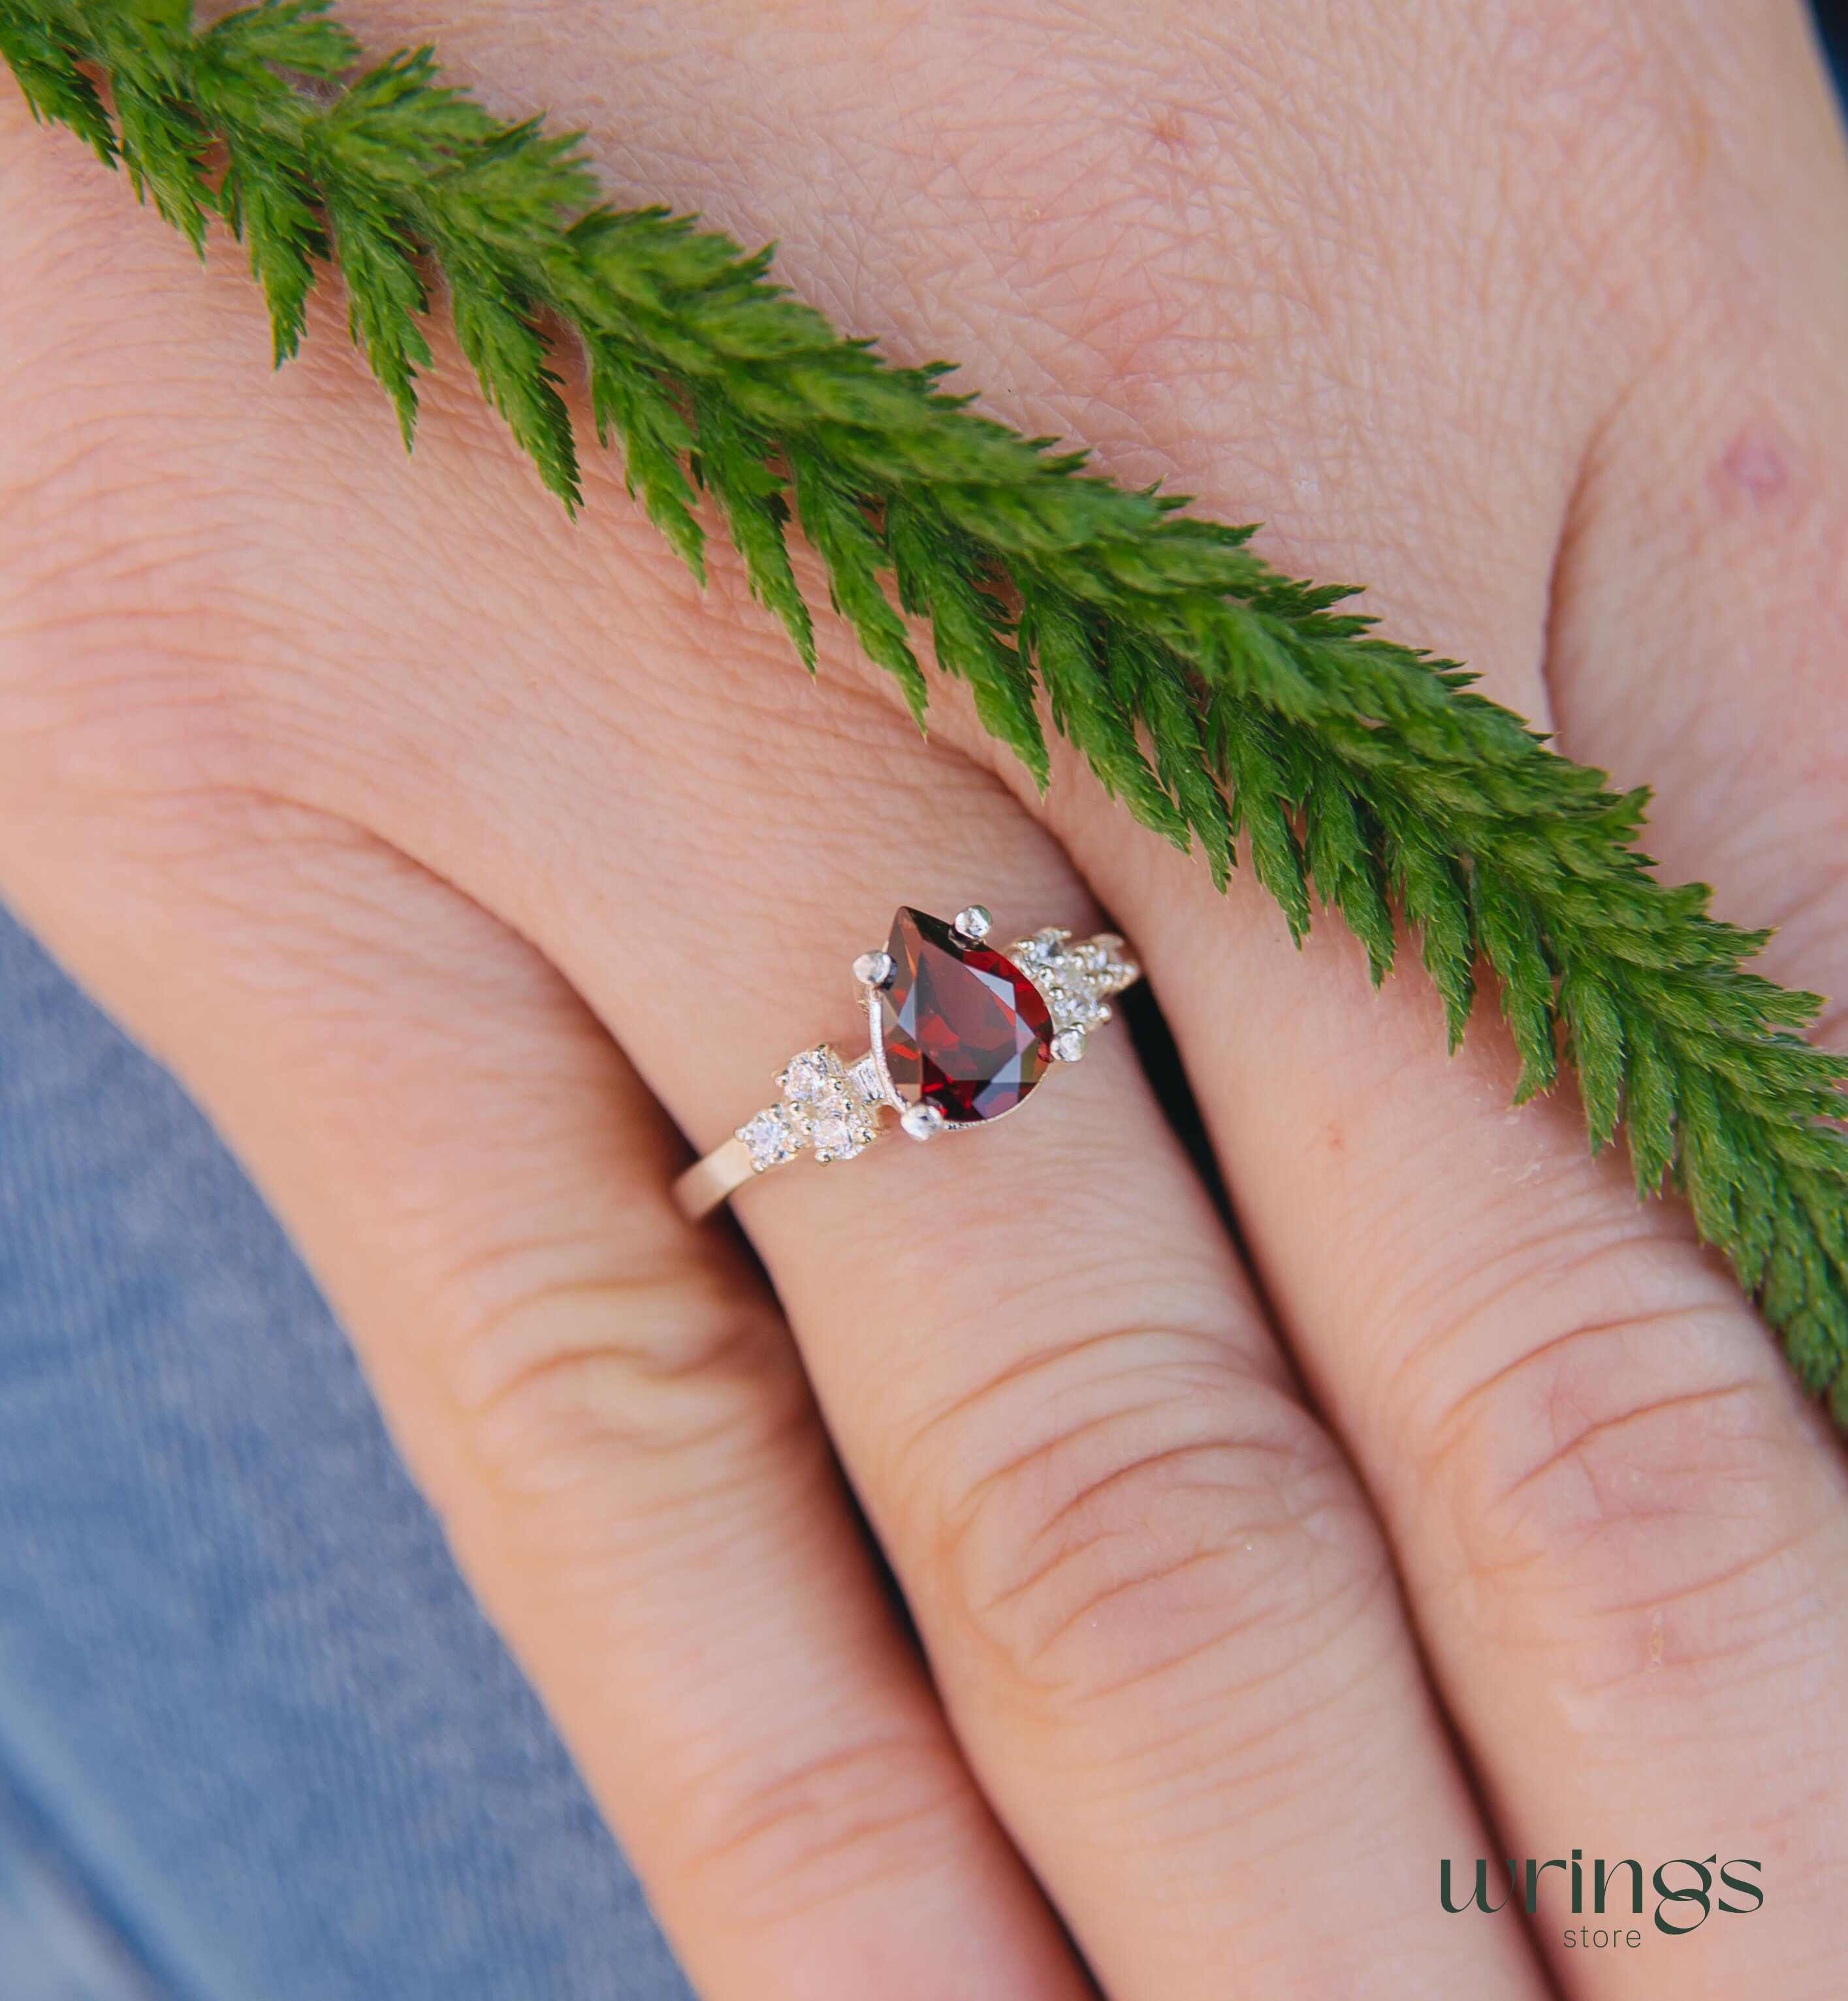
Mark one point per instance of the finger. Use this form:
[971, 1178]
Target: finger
[1617, 1522]
[1703, 616]
[601, 1402]
[1623, 1535]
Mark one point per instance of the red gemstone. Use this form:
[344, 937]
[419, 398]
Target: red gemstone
[962, 1028]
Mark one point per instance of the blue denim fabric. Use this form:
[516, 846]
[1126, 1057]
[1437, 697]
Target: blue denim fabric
[256, 1742]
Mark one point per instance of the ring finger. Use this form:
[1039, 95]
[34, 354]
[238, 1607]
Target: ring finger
[1161, 1615]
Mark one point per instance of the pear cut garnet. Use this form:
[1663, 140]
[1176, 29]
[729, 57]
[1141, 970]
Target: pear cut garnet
[962, 1028]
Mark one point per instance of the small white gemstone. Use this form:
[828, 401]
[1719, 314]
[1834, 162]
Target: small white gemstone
[873, 968]
[835, 1137]
[769, 1140]
[974, 922]
[1068, 1047]
[810, 1076]
[921, 1121]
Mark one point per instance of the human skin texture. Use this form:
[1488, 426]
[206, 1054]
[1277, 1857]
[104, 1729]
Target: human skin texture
[470, 864]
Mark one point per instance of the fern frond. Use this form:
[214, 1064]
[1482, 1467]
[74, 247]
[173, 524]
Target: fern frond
[1216, 699]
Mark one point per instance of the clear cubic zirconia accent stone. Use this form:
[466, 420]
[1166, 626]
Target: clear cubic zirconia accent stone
[1076, 980]
[769, 1140]
[824, 1108]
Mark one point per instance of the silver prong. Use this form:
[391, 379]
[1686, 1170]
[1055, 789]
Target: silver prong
[975, 923]
[873, 969]
[921, 1122]
[1069, 1046]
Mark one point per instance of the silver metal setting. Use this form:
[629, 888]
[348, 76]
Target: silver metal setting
[921, 1122]
[888, 1091]
[834, 1108]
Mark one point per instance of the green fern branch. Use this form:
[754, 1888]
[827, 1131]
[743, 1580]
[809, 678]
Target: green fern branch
[1218, 700]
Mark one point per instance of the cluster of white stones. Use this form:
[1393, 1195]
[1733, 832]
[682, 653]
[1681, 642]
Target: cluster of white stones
[830, 1110]
[1076, 980]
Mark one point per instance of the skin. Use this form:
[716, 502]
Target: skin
[461, 859]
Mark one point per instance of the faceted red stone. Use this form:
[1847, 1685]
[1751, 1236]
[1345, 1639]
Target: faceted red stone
[963, 1027]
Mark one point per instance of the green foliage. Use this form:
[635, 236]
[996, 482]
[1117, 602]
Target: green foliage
[631, 406]
[731, 456]
[1217, 699]
[835, 521]
[942, 578]
[54, 87]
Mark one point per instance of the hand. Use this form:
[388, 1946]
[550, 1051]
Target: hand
[456, 856]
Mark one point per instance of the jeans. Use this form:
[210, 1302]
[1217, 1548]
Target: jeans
[256, 1744]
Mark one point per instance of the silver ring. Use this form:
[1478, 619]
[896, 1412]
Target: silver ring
[961, 1034]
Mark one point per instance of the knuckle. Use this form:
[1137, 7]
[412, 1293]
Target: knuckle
[154, 593]
[564, 1371]
[96, 711]
[1632, 1474]
[1606, 138]
[1187, 1527]
[775, 1848]
[120, 629]
[1092, 207]
[1576, 59]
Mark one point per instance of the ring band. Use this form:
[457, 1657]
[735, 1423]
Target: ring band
[960, 1035]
